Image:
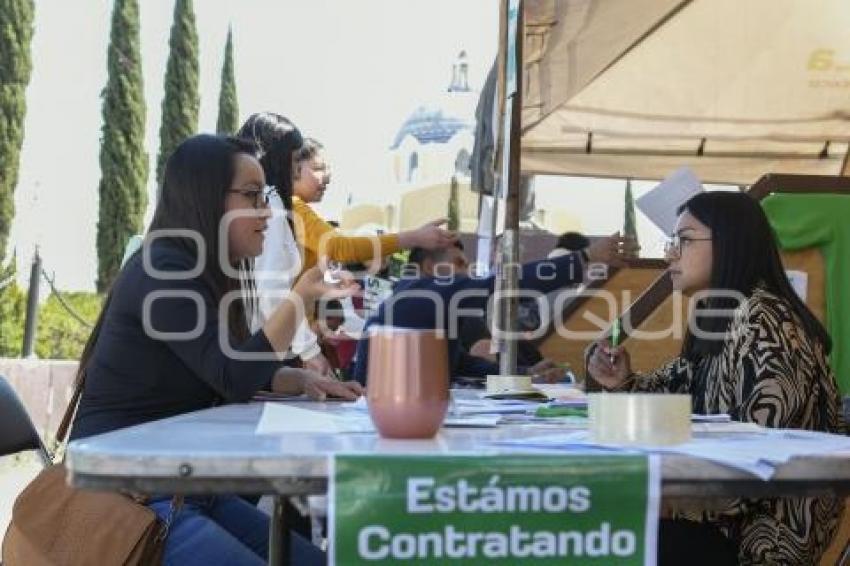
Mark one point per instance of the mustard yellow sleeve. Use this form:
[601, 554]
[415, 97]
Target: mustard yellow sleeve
[320, 238]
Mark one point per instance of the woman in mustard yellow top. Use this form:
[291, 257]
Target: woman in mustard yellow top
[289, 162]
[311, 177]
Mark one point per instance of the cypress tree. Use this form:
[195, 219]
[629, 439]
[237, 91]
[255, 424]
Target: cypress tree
[13, 307]
[123, 159]
[181, 101]
[228, 107]
[629, 223]
[16, 28]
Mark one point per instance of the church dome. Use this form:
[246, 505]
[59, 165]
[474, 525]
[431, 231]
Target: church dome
[431, 124]
[439, 120]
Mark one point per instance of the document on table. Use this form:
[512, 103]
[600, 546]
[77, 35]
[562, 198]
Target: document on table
[483, 406]
[757, 453]
[661, 203]
[280, 418]
[762, 453]
[454, 418]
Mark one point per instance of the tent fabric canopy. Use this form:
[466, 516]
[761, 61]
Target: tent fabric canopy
[636, 88]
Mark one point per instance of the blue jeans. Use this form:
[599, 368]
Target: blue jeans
[226, 530]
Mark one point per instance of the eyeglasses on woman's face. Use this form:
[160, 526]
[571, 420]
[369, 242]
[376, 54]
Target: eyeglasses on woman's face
[676, 243]
[259, 197]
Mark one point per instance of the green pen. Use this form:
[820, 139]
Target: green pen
[615, 338]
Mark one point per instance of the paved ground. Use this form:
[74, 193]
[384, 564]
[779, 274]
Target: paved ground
[15, 473]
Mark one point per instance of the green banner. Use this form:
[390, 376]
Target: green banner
[511, 509]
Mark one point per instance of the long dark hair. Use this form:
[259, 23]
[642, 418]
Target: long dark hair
[745, 256]
[197, 177]
[195, 183]
[279, 140]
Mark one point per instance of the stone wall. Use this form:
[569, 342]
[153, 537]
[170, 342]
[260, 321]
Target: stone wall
[44, 386]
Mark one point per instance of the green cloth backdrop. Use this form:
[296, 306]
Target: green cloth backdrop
[823, 221]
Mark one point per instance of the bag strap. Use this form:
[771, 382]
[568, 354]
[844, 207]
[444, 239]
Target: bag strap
[67, 419]
[70, 411]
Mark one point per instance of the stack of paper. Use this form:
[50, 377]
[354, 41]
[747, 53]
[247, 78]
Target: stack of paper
[461, 407]
[758, 453]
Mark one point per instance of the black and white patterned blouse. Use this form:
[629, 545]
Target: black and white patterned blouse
[770, 372]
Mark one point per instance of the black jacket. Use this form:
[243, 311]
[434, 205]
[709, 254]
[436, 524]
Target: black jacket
[135, 375]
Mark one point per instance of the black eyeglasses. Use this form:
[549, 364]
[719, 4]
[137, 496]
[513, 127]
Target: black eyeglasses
[260, 197]
[673, 246]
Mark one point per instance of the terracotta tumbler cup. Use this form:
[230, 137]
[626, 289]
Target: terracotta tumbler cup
[408, 381]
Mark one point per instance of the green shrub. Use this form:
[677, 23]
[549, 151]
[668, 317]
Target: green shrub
[60, 335]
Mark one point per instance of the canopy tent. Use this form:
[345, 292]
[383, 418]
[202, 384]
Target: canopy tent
[636, 88]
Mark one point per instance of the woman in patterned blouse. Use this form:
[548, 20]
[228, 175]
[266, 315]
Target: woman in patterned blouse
[765, 363]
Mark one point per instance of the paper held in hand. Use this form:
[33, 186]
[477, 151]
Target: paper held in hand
[660, 204]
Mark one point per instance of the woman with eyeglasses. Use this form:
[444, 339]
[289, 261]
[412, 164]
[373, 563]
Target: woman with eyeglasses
[765, 362]
[311, 180]
[160, 348]
[297, 235]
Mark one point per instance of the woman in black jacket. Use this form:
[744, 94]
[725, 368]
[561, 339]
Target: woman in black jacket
[161, 348]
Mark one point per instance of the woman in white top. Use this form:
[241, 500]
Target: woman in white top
[279, 264]
[284, 156]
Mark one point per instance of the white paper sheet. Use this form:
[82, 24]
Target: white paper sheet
[728, 427]
[757, 453]
[660, 204]
[280, 418]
